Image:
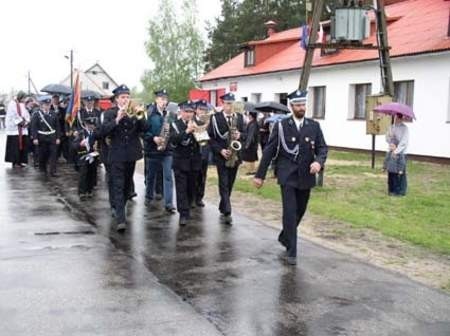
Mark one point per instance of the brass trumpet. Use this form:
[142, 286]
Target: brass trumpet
[134, 110]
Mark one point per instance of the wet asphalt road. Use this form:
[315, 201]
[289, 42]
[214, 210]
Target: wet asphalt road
[64, 270]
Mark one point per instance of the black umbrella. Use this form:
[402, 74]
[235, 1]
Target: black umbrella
[271, 106]
[248, 106]
[57, 89]
[90, 93]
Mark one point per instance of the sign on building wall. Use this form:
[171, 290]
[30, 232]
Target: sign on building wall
[233, 86]
[377, 123]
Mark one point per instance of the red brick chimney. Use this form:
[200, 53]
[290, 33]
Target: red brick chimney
[270, 25]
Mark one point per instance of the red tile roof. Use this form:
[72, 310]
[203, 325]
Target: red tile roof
[419, 26]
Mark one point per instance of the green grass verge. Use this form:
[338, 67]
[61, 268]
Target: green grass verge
[356, 194]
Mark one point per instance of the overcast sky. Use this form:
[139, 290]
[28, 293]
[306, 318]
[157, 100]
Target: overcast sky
[37, 34]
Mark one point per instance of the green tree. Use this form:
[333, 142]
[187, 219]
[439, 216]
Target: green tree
[175, 48]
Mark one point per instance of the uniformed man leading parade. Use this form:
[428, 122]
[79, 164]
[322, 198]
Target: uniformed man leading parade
[226, 131]
[298, 147]
[125, 149]
[186, 159]
[46, 133]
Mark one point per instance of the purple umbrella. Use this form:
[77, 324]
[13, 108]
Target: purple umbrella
[396, 108]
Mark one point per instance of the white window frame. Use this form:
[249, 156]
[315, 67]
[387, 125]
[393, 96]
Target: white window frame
[353, 100]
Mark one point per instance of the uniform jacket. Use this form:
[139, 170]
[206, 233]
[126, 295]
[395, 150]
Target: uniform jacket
[216, 142]
[81, 150]
[250, 147]
[294, 170]
[125, 136]
[84, 114]
[186, 150]
[38, 124]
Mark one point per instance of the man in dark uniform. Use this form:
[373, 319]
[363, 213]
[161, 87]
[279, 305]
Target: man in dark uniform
[103, 143]
[125, 149]
[83, 144]
[205, 149]
[63, 147]
[89, 110]
[186, 158]
[158, 154]
[227, 161]
[46, 133]
[299, 149]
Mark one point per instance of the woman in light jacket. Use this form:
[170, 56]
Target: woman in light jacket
[17, 122]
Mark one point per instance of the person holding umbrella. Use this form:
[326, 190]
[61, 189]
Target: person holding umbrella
[397, 138]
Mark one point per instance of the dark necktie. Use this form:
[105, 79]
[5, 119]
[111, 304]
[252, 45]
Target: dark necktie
[229, 120]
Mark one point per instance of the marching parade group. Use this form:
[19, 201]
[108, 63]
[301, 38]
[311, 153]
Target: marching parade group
[176, 147]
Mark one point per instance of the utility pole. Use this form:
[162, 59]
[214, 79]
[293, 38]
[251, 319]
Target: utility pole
[29, 83]
[70, 58]
[71, 68]
[382, 47]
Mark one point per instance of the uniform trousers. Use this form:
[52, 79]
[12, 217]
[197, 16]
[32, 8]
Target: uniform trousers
[47, 150]
[227, 176]
[121, 182]
[294, 202]
[184, 186]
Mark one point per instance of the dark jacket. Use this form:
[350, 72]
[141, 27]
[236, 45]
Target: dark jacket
[125, 136]
[39, 125]
[186, 150]
[216, 142]
[61, 114]
[295, 170]
[250, 147]
[81, 150]
[154, 123]
[84, 114]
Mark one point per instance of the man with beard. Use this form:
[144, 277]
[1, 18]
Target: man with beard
[298, 147]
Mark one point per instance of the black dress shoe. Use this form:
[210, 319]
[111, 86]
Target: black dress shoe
[121, 227]
[54, 175]
[170, 209]
[200, 204]
[183, 221]
[292, 261]
[131, 196]
[283, 241]
[226, 219]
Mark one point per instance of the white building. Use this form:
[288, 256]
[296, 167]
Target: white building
[418, 33]
[96, 79]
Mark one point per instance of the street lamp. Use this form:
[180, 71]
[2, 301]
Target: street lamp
[71, 67]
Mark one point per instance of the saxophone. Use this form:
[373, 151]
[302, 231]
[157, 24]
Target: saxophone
[164, 134]
[233, 144]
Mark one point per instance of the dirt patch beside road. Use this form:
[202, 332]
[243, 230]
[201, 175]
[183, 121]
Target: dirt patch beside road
[371, 246]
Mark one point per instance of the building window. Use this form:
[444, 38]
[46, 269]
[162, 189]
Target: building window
[318, 102]
[105, 85]
[361, 92]
[281, 98]
[256, 98]
[250, 57]
[404, 92]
